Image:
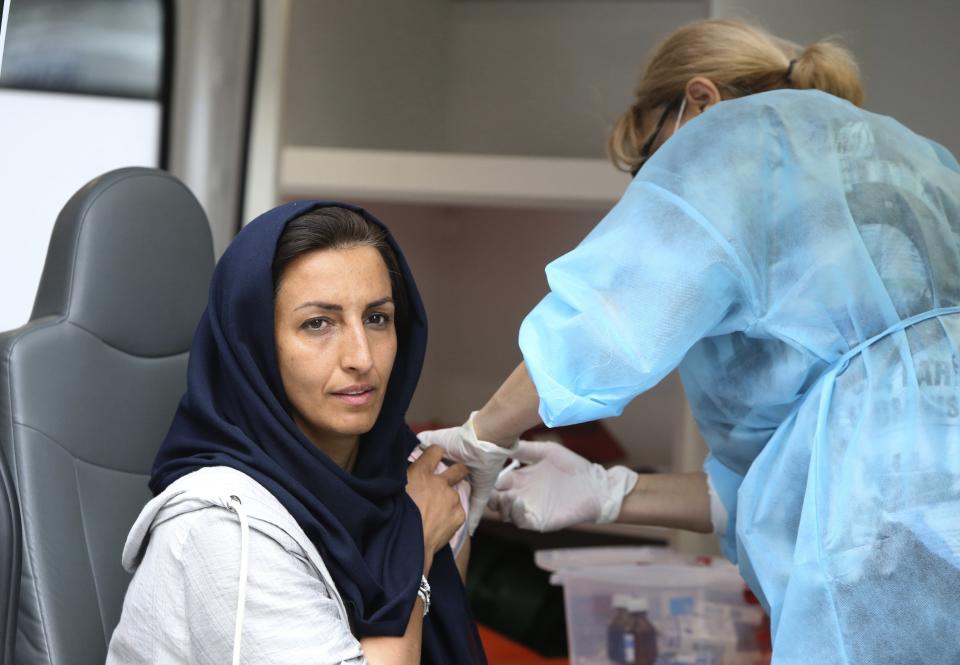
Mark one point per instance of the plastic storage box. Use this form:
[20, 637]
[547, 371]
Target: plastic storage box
[584, 557]
[699, 613]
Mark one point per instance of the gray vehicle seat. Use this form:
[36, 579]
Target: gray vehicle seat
[87, 391]
[9, 561]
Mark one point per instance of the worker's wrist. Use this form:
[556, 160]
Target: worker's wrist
[485, 428]
[619, 481]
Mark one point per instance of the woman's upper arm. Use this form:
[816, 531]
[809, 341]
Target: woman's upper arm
[290, 616]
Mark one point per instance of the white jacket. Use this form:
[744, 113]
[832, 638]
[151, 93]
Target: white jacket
[186, 551]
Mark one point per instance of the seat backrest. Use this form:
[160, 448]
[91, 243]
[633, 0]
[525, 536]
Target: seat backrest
[10, 545]
[87, 391]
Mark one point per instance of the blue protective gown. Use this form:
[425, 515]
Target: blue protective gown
[798, 259]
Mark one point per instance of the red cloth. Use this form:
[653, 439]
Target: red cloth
[504, 651]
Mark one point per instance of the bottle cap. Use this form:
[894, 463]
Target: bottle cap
[638, 604]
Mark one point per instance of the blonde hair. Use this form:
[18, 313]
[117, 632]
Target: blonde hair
[740, 59]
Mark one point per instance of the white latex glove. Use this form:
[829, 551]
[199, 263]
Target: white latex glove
[559, 488]
[485, 461]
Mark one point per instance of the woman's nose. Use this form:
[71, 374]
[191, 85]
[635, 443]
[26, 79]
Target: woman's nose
[357, 355]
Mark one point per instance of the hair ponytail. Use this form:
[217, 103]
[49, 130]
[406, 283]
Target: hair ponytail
[828, 67]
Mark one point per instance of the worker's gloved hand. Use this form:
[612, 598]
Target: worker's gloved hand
[558, 488]
[485, 461]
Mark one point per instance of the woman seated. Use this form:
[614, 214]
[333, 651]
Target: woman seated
[288, 525]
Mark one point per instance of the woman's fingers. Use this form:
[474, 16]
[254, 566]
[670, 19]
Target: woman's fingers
[455, 474]
[430, 485]
[429, 459]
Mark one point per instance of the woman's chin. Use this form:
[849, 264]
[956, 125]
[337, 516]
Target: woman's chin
[355, 424]
[343, 425]
[355, 421]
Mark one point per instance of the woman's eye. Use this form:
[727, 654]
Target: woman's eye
[316, 324]
[378, 319]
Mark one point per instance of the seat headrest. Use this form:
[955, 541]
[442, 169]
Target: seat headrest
[130, 261]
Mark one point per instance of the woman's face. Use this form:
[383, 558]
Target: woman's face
[336, 342]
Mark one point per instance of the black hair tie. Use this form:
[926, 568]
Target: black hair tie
[790, 69]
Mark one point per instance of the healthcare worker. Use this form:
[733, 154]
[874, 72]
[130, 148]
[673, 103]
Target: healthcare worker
[798, 259]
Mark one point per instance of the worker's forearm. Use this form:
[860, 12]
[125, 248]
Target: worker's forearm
[675, 500]
[512, 410]
[397, 650]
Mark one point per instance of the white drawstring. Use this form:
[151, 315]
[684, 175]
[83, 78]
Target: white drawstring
[237, 506]
[683, 106]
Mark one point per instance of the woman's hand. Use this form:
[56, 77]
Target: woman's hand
[438, 501]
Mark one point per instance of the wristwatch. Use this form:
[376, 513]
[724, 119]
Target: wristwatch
[424, 593]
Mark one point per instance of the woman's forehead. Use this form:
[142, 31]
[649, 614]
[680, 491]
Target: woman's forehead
[350, 274]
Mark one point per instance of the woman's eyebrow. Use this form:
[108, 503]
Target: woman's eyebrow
[339, 308]
[319, 305]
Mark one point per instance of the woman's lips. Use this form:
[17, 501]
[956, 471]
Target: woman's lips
[356, 396]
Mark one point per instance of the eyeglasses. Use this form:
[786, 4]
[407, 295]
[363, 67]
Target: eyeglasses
[647, 148]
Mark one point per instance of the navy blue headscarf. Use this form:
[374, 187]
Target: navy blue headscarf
[235, 413]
